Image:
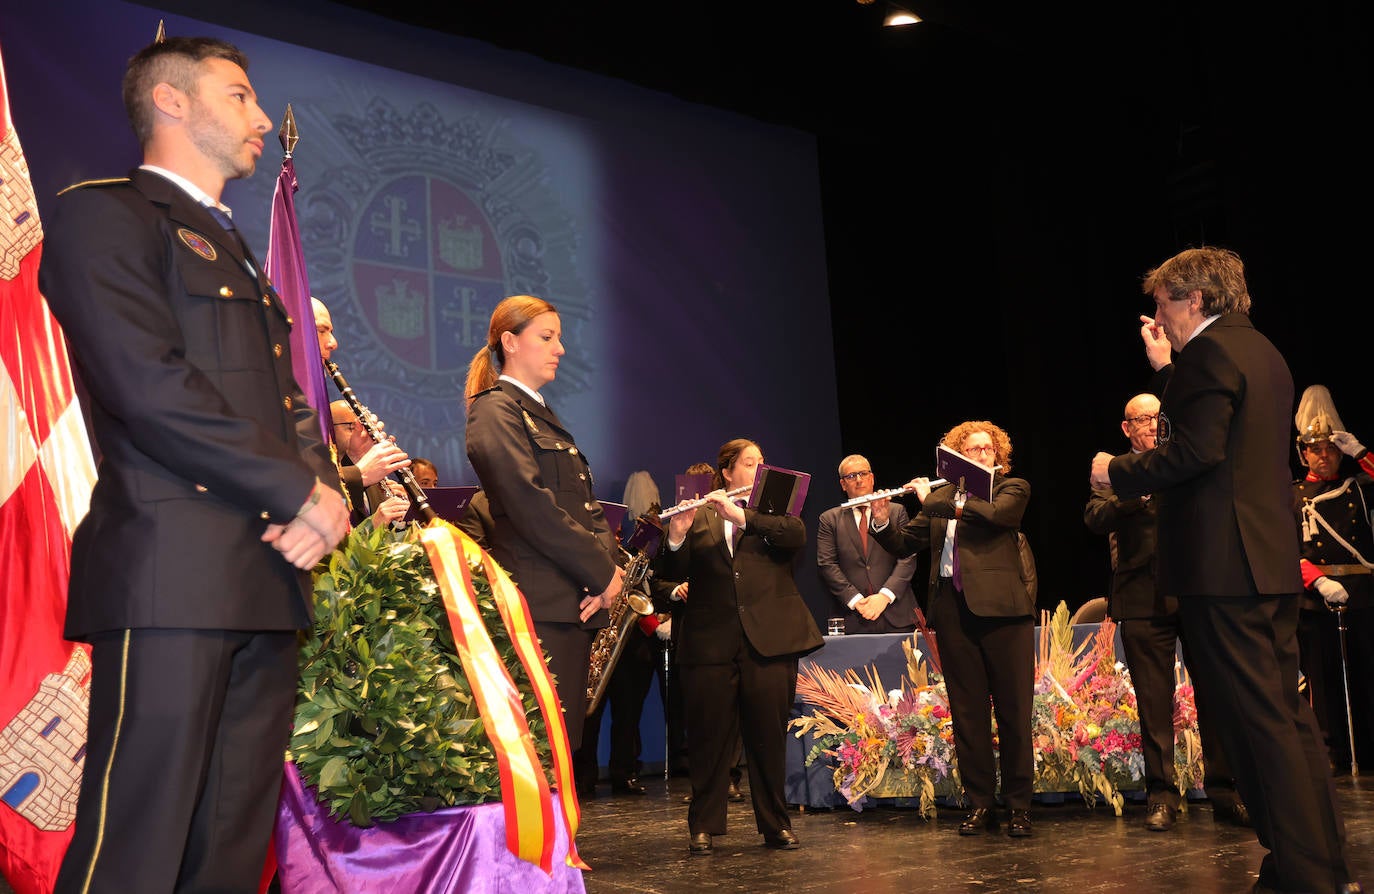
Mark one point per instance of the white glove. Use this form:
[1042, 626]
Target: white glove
[1347, 443]
[1333, 594]
[665, 630]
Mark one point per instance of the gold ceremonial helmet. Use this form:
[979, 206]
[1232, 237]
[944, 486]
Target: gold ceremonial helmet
[1316, 419]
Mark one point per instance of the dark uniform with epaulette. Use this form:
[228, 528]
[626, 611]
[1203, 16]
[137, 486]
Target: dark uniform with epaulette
[1329, 512]
[204, 440]
[547, 528]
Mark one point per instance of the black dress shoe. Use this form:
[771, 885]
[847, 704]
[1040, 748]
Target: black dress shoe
[1019, 825]
[1233, 812]
[700, 844]
[586, 793]
[628, 786]
[1161, 817]
[735, 794]
[783, 840]
[978, 820]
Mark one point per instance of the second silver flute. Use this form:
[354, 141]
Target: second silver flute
[885, 494]
[892, 492]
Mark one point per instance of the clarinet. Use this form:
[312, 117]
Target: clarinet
[404, 476]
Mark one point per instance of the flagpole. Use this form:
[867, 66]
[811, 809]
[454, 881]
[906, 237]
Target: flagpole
[286, 268]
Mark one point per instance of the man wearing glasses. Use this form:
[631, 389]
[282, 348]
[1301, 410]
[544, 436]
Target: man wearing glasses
[1150, 629]
[872, 586]
[372, 462]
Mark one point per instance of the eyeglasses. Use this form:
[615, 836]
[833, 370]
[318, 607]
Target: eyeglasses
[348, 425]
[855, 476]
[987, 448]
[1143, 419]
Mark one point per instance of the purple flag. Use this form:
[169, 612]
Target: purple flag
[285, 266]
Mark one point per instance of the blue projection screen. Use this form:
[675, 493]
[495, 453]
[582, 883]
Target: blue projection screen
[682, 244]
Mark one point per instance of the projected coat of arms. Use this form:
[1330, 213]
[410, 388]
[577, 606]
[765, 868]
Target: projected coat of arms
[416, 230]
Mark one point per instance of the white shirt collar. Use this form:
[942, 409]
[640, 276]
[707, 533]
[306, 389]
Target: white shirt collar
[189, 188]
[525, 388]
[1203, 325]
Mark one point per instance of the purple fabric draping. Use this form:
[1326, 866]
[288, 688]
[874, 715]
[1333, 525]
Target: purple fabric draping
[456, 849]
[285, 266]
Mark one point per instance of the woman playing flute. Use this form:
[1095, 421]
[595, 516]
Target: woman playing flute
[742, 629]
[984, 619]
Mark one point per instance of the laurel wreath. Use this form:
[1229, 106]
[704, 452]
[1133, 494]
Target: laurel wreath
[386, 723]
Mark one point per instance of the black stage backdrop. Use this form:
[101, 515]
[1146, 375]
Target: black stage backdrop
[954, 225]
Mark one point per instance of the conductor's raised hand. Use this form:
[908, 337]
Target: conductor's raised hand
[1158, 351]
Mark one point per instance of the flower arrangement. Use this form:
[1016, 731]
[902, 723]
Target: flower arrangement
[1085, 725]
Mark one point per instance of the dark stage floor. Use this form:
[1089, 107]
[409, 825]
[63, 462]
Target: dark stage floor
[639, 844]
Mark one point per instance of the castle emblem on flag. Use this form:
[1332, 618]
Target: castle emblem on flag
[43, 748]
[20, 231]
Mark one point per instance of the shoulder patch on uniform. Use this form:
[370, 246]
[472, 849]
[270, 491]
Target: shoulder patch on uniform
[529, 422]
[84, 184]
[197, 243]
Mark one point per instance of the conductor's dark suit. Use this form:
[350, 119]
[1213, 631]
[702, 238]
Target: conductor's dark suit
[547, 528]
[739, 636]
[1150, 630]
[847, 570]
[1228, 549]
[205, 439]
[985, 633]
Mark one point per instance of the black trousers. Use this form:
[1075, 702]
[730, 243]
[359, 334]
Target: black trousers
[988, 659]
[1244, 652]
[185, 748]
[629, 685]
[750, 698]
[1151, 646]
[569, 649]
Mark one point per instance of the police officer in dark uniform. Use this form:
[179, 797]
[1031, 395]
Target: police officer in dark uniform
[547, 528]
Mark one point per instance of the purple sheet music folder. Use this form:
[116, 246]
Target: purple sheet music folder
[952, 466]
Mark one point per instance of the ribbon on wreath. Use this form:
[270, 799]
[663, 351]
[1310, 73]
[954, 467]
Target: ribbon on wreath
[525, 790]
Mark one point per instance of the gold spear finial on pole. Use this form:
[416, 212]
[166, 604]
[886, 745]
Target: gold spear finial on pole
[161, 34]
[288, 135]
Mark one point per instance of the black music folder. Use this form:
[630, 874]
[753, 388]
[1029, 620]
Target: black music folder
[778, 491]
[448, 503]
[953, 466]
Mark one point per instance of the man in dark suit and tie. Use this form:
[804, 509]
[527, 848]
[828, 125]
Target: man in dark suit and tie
[872, 586]
[1228, 550]
[190, 572]
[1150, 630]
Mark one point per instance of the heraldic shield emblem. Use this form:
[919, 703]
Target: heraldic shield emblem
[426, 271]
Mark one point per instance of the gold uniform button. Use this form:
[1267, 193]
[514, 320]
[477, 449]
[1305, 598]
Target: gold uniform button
[290, 322]
[573, 451]
[201, 489]
[266, 302]
[265, 515]
[557, 445]
[226, 292]
[276, 350]
[587, 506]
[286, 402]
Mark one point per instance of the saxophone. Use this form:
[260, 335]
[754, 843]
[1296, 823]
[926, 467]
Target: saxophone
[634, 602]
